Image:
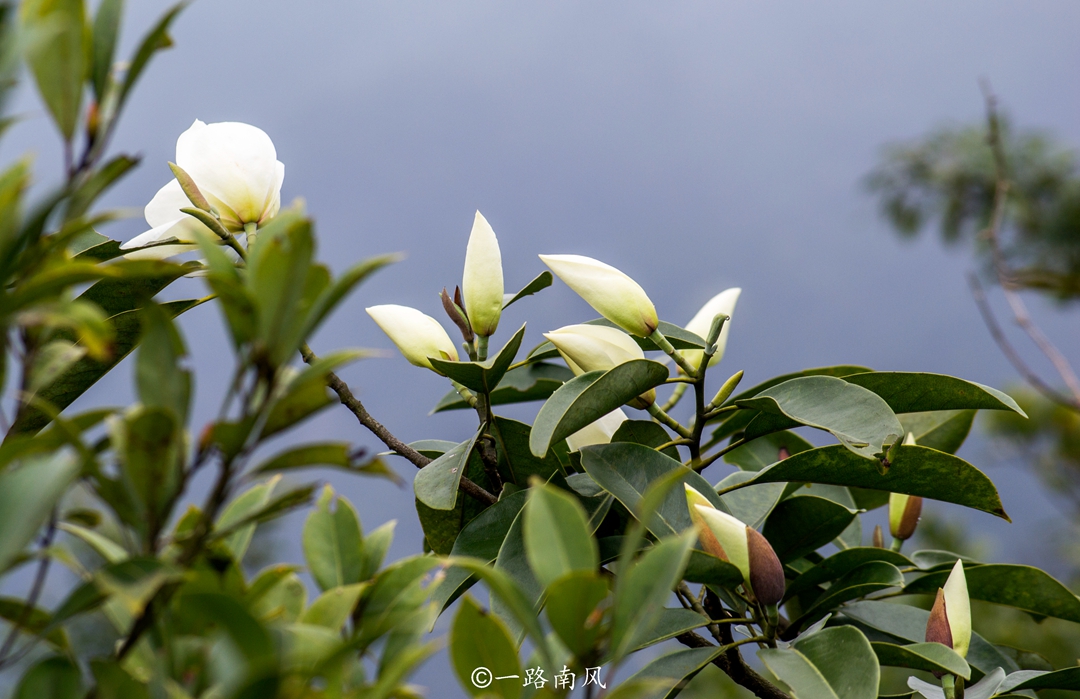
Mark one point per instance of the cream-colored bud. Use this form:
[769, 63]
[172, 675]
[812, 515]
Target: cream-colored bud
[482, 282]
[599, 432]
[613, 294]
[730, 533]
[958, 607]
[416, 335]
[598, 348]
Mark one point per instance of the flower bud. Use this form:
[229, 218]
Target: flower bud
[599, 432]
[700, 324]
[904, 510]
[766, 573]
[416, 335]
[614, 295]
[950, 618]
[597, 348]
[877, 539]
[482, 283]
[730, 538]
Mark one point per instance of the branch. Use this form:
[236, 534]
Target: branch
[350, 401]
[36, 589]
[732, 663]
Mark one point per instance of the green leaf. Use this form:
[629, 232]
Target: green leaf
[436, 485]
[840, 564]
[127, 328]
[752, 504]
[106, 30]
[104, 546]
[909, 624]
[665, 674]
[90, 190]
[586, 398]
[835, 663]
[930, 559]
[573, 608]
[306, 393]
[335, 293]
[1069, 678]
[670, 624]
[482, 377]
[27, 495]
[859, 418]
[944, 430]
[161, 379]
[535, 381]
[557, 535]
[872, 576]
[641, 591]
[33, 620]
[54, 678]
[911, 392]
[376, 544]
[709, 570]
[805, 523]
[332, 608]
[541, 282]
[332, 542]
[396, 594]
[516, 463]
[326, 454]
[279, 265]
[513, 562]
[57, 48]
[645, 432]
[765, 451]
[627, 470]
[1022, 587]
[479, 640]
[50, 361]
[914, 470]
[113, 682]
[928, 657]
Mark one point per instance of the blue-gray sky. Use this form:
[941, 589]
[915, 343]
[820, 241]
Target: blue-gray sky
[695, 145]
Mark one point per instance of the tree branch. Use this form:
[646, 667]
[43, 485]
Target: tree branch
[350, 401]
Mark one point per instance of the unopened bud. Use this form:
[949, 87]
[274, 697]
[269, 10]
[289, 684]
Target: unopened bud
[904, 513]
[766, 572]
[878, 538]
[937, 627]
[483, 278]
[93, 120]
[726, 390]
[191, 190]
[613, 294]
[457, 316]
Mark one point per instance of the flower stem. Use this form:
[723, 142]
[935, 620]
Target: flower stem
[664, 419]
[250, 229]
[663, 344]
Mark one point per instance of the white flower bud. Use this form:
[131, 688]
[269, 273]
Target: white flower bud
[958, 609]
[416, 335]
[701, 324]
[614, 295]
[234, 166]
[599, 432]
[482, 283]
[730, 533]
[593, 347]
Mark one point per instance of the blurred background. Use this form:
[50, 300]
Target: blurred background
[696, 146]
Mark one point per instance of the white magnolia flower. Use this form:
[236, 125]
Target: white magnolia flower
[614, 295]
[235, 166]
[593, 347]
[482, 283]
[599, 432]
[701, 324]
[417, 335]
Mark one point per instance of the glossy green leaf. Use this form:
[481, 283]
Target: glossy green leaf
[1022, 587]
[482, 377]
[873, 576]
[914, 470]
[479, 640]
[57, 49]
[765, 451]
[104, 546]
[859, 418]
[396, 594]
[627, 470]
[840, 564]
[645, 432]
[305, 392]
[1069, 678]
[805, 523]
[835, 663]
[661, 677]
[752, 504]
[573, 608]
[513, 562]
[161, 379]
[127, 328]
[670, 624]
[587, 398]
[106, 31]
[332, 608]
[931, 559]
[928, 657]
[54, 678]
[640, 591]
[909, 624]
[27, 495]
[709, 570]
[534, 381]
[517, 464]
[910, 392]
[558, 540]
[243, 505]
[333, 544]
[541, 282]
[436, 485]
[944, 430]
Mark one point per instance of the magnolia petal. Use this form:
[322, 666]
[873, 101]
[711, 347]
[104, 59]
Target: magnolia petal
[594, 347]
[612, 293]
[730, 532]
[599, 432]
[166, 204]
[958, 607]
[417, 336]
[236, 163]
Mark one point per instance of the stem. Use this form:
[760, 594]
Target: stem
[250, 229]
[664, 419]
[708, 460]
[465, 394]
[897, 544]
[663, 344]
[481, 347]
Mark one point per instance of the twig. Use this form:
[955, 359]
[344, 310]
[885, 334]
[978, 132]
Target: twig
[35, 592]
[350, 401]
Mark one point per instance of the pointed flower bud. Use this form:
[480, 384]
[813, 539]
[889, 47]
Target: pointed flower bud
[730, 536]
[950, 618]
[878, 538]
[597, 348]
[599, 432]
[700, 324]
[766, 573]
[482, 283]
[614, 295]
[416, 335]
[904, 510]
